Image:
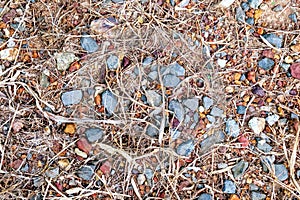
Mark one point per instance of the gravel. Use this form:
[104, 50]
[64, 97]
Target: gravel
[93, 134]
[240, 16]
[63, 60]
[254, 3]
[170, 80]
[109, 101]
[278, 8]
[176, 69]
[266, 63]
[71, 97]
[232, 128]
[192, 104]
[257, 196]
[281, 172]
[186, 148]
[257, 124]
[241, 110]
[217, 112]
[112, 62]
[273, 39]
[152, 131]
[229, 187]
[86, 172]
[153, 98]
[177, 108]
[89, 44]
[239, 169]
[207, 102]
[52, 173]
[213, 139]
[147, 61]
[272, 119]
[205, 196]
[264, 146]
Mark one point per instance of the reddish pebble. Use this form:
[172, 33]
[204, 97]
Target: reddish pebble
[244, 141]
[295, 70]
[16, 164]
[106, 167]
[84, 145]
[268, 53]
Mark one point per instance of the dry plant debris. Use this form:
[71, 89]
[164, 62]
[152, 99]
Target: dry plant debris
[149, 99]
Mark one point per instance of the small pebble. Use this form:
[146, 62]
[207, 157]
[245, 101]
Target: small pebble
[222, 165]
[147, 61]
[141, 179]
[266, 63]
[258, 91]
[109, 101]
[211, 140]
[273, 39]
[153, 98]
[257, 124]
[221, 62]
[229, 187]
[170, 80]
[207, 102]
[264, 146]
[9, 54]
[112, 62]
[71, 97]
[245, 6]
[89, 44]
[232, 128]
[240, 16]
[186, 148]
[192, 103]
[250, 21]
[298, 174]
[241, 110]
[52, 173]
[253, 187]
[278, 8]
[176, 69]
[177, 108]
[205, 196]
[217, 112]
[86, 172]
[257, 196]
[254, 3]
[239, 169]
[295, 70]
[63, 60]
[293, 17]
[93, 134]
[272, 119]
[152, 131]
[281, 172]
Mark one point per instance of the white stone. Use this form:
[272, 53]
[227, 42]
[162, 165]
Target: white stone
[257, 124]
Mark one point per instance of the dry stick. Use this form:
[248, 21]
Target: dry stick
[54, 188]
[293, 159]
[162, 125]
[136, 190]
[244, 117]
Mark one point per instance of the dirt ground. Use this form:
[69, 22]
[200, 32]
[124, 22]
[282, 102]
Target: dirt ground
[146, 99]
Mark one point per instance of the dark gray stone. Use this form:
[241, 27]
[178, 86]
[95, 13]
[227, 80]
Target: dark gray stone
[281, 172]
[186, 148]
[266, 63]
[254, 3]
[239, 169]
[211, 140]
[273, 39]
[112, 62]
[257, 196]
[177, 108]
[232, 128]
[109, 101]
[71, 97]
[240, 14]
[86, 172]
[205, 196]
[207, 102]
[170, 80]
[229, 187]
[93, 134]
[89, 44]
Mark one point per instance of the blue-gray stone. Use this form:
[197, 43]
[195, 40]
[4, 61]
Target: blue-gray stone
[229, 187]
[266, 63]
[293, 17]
[254, 3]
[298, 174]
[285, 66]
[207, 102]
[93, 134]
[71, 97]
[177, 69]
[278, 8]
[257, 196]
[263, 146]
[232, 128]
[89, 44]
[153, 98]
[245, 6]
[118, 1]
[273, 39]
[192, 103]
[250, 21]
[177, 108]
[112, 62]
[86, 172]
[281, 172]
[211, 119]
[241, 110]
[109, 101]
[170, 80]
[149, 173]
[294, 116]
[222, 165]
[147, 61]
[272, 119]
[217, 112]
[253, 187]
[240, 14]
[239, 169]
[152, 131]
[52, 173]
[205, 196]
[153, 75]
[211, 140]
[186, 148]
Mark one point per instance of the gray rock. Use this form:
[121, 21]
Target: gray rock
[217, 112]
[222, 165]
[93, 134]
[281, 172]
[149, 175]
[232, 128]
[222, 62]
[245, 6]
[118, 1]
[44, 80]
[293, 17]
[71, 97]
[239, 169]
[254, 3]
[285, 66]
[86, 172]
[250, 21]
[205, 196]
[257, 124]
[273, 39]
[170, 80]
[63, 60]
[152, 131]
[241, 110]
[153, 98]
[213, 139]
[186, 148]
[263, 146]
[266, 63]
[207, 102]
[112, 62]
[278, 8]
[147, 61]
[257, 196]
[211, 119]
[89, 44]
[192, 103]
[253, 187]
[109, 101]
[229, 187]
[272, 119]
[153, 75]
[37, 181]
[267, 162]
[177, 108]
[240, 14]
[176, 69]
[52, 173]
[298, 174]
